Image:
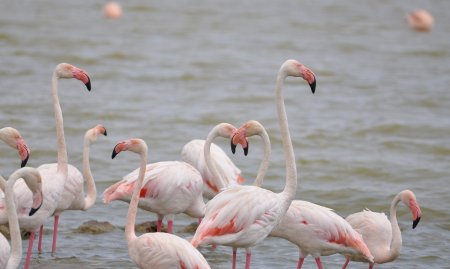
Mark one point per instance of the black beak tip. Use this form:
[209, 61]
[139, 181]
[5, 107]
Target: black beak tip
[33, 210]
[105, 134]
[233, 147]
[24, 162]
[415, 222]
[88, 85]
[313, 86]
[114, 154]
[246, 151]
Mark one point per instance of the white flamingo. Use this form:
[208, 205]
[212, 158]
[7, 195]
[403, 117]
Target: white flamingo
[242, 216]
[10, 256]
[315, 229]
[73, 197]
[53, 177]
[154, 250]
[383, 236]
[192, 153]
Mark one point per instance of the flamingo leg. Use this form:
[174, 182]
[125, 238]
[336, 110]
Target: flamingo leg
[248, 257]
[159, 223]
[55, 233]
[234, 258]
[300, 263]
[170, 226]
[371, 266]
[199, 220]
[41, 234]
[319, 263]
[346, 263]
[30, 249]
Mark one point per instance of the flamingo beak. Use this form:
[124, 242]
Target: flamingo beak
[114, 153]
[34, 210]
[246, 149]
[313, 86]
[415, 222]
[88, 83]
[233, 146]
[24, 161]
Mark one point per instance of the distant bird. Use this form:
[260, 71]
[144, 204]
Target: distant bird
[315, 229]
[73, 197]
[383, 236]
[192, 153]
[154, 250]
[169, 188]
[14, 139]
[10, 257]
[53, 177]
[420, 20]
[242, 216]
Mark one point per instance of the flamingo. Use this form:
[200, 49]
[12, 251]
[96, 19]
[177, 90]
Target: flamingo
[53, 177]
[383, 236]
[315, 229]
[154, 250]
[169, 188]
[242, 216]
[10, 256]
[192, 153]
[73, 196]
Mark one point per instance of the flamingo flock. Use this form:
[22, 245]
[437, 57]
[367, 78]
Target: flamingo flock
[233, 215]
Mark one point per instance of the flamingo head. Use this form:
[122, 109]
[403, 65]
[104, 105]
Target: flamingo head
[294, 68]
[65, 70]
[239, 136]
[92, 133]
[409, 199]
[135, 145]
[13, 139]
[33, 179]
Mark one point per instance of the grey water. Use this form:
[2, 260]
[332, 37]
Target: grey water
[169, 71]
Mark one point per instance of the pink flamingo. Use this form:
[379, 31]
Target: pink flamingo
[169, 188]
[242, 216]
[53, 177]
[383, 236]
[73, 197]
[192, 153]
[10, 257]
[154, 250]
[315, 229]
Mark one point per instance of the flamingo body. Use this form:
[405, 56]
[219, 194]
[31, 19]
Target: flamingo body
[192, 153]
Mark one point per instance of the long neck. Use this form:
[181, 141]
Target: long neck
[61, 143]
[16, 239]
[266, 159]
[89, 200]
[291, 170]
[132, 209]
[396, 242]
[209, 163]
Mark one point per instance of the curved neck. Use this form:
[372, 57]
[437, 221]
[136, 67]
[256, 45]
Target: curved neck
[61, 143]
[215, 132]
[396, 242]
[16, 239]
[266, 159]
[130, 234]
[89, 200]
[291, 169]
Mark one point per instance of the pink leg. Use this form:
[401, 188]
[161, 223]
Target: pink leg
[199, 221]
[371, 266]
[41, 234]
[55, 233]
[30, 249]
[319, 264]
[234, 258]
[170, 226]
[300, 263]
[247, 259]
[158, 225]
[346, 263]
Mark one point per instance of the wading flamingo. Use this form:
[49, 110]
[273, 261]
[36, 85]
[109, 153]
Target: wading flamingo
[10, 257]
[53, 177]
[383, 236]
[154, 250]
[192, 153]
[169, 188]
[73, 197]
[242, 216]
[315, 229]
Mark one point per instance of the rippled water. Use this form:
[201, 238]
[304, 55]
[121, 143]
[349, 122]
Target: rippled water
[168, 71]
